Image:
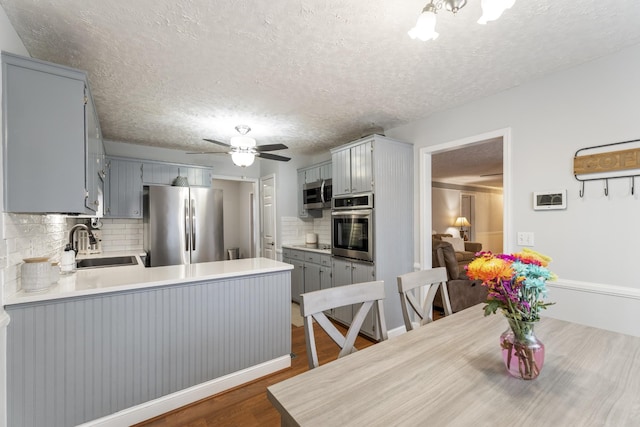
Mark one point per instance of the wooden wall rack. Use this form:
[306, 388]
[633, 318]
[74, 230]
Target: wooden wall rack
[607, 162]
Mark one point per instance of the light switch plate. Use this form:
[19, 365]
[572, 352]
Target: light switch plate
[525, 238]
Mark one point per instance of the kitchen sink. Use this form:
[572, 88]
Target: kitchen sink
[114, 261]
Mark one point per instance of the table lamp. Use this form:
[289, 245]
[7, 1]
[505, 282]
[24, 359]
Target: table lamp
[461, 222]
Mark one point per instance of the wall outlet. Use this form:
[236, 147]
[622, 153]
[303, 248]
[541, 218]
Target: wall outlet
[525, 238]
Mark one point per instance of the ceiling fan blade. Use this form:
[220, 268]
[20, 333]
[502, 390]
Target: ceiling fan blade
[273, 157]
[270, 147]
[208, 152]
[224, 144]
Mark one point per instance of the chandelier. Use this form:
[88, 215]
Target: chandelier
[425, 28]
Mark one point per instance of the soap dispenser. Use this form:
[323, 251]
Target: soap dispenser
[68, 260]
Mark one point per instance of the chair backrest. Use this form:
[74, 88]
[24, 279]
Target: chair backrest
[313, 304]
[427, 283]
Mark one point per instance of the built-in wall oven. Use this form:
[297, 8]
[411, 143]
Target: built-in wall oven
[352, 227]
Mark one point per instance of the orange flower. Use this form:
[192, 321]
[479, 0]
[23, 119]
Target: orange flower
[529, 256]
[488, 269]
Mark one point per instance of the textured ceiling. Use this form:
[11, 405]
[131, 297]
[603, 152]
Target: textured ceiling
[311, 74]
[479, 164]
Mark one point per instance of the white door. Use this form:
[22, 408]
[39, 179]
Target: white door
[268, 228]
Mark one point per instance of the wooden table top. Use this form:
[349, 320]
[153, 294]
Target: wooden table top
[451, 373]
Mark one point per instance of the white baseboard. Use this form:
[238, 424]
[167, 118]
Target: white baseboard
[170, 402]
[396, 331]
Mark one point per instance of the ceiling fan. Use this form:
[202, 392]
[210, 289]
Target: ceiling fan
[244, 149]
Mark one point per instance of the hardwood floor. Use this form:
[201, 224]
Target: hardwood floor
[248, 405]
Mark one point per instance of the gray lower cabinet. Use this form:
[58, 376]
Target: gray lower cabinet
[70, 361]
[348, 272]
[49, 111]
[123, 188]
[297, 280]
[311, 271]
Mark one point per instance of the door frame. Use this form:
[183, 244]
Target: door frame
[425, 208]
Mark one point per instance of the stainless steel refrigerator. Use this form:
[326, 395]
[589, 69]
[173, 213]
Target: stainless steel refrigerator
[182, 225]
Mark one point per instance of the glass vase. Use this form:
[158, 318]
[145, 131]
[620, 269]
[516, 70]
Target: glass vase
[522, 351]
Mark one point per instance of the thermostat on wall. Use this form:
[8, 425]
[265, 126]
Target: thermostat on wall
[550, 200]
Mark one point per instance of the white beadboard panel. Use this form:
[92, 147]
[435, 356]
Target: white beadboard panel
[75, 360]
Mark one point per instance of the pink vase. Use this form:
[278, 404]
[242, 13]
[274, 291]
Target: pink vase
[522, 351]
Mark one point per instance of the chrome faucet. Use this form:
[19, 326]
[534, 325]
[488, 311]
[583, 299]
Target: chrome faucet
[92, 238]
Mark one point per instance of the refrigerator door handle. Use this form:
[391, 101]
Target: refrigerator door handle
[193, 224]
[187, 230]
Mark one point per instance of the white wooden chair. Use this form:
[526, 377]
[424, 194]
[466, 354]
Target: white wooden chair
[425, 282]
[313, 305]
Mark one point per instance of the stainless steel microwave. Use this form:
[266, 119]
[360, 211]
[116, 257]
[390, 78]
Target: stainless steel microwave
[317, 195]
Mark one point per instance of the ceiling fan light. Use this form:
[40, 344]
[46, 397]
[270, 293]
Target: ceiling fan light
[493, 9]
[243, 159]
[425, 28]
[243, 142]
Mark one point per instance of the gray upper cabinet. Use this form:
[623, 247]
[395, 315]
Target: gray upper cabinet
[159, 173]
[53, 150]
[353, 168]
[127, 176]
[302, 212]
[123, 189]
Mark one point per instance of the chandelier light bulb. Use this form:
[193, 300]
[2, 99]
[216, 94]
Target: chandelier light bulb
[425, 28]
[493, 9]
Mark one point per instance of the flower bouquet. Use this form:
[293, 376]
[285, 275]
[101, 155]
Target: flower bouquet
[516, 285]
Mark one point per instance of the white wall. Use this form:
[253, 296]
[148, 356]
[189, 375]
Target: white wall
[594, 241]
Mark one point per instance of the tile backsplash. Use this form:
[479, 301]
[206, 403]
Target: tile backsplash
[121, 235]
[294, 230]
[27, 236]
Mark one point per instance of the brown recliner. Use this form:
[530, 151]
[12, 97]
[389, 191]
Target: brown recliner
[463, 292]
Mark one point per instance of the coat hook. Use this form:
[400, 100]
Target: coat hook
[606, 186]
[582, 189]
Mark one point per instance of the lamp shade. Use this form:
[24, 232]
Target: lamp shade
[425, 28]
[461, 221]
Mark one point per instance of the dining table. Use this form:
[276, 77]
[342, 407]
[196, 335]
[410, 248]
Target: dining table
[450, 373]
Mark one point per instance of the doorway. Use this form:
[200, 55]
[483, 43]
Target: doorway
[438, 191]
[239, 216]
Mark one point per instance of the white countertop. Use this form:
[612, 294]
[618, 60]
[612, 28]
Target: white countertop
[303, 247]
[93, 281]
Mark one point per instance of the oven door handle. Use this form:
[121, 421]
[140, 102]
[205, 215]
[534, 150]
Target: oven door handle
[353, 213]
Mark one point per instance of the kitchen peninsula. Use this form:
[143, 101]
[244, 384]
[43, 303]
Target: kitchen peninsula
[124, 344]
